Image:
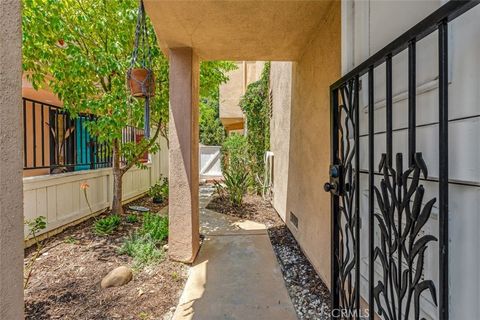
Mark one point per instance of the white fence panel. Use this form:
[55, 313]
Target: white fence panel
[58, 197]
[210, 162]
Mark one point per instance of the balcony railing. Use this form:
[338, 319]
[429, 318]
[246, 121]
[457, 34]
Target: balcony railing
[57, 143]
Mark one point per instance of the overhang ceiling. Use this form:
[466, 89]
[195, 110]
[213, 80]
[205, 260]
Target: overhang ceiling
[233, 123]
[237, 30]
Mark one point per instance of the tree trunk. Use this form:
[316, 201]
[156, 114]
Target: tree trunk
[117, 179]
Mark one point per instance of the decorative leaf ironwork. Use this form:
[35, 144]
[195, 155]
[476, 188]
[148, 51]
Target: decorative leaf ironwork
[401, 244]
[347, 222]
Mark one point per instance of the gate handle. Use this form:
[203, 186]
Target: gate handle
[328, 186]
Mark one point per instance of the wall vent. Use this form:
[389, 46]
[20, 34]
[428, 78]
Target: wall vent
[294, 219]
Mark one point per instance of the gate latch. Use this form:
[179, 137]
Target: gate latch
[335, 186]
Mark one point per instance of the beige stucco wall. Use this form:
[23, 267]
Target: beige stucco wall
[300, 176]
[281, 89]
[253, 71]
[231, 92]
[11, 196]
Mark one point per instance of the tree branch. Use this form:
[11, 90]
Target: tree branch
[143, 150]
[164, 134]
[103, 84]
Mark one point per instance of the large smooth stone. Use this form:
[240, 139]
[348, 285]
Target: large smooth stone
[117, 277]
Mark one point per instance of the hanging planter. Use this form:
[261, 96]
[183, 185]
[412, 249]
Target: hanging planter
[141, 82]
[140, 77]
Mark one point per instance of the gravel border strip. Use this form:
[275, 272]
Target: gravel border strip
[310, 296]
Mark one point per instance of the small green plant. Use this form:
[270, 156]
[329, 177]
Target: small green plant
[175, 275]
[70, 240]
[143, 249]
[236, 184]
[131, 218]
[34, 226]
[159, 191]
[144, 246]
[107, 225]
[154, 226]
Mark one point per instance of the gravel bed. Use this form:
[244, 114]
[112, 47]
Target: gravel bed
[310, 296]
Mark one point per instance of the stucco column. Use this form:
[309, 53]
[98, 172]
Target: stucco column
[11, 162]
[183, 155]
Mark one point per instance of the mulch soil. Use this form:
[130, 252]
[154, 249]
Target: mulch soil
[252, 208]
[65, 283]
[310, 296]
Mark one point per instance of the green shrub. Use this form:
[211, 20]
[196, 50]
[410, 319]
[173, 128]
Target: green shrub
[159, 191]
[142, 249]
[236, 170]
[154, 226]
[236, 184]
[234, 152]
[131, 218]
[143, 245]
[107, 225]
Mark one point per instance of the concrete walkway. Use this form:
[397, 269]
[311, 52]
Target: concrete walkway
[236, 275]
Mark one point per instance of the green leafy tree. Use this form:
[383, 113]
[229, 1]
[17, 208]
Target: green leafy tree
[256, 105]
[81, 50]
[212, 132]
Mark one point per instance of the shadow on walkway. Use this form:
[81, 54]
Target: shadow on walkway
[236, 274]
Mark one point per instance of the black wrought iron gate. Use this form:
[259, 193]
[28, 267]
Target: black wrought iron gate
[398, 208]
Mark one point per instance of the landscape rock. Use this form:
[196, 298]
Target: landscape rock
[310, 296]
[117, 277]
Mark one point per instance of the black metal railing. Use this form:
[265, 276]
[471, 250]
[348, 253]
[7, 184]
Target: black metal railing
[397, 210]
[56, 142]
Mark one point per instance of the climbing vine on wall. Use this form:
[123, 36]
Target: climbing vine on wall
[256, 106]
